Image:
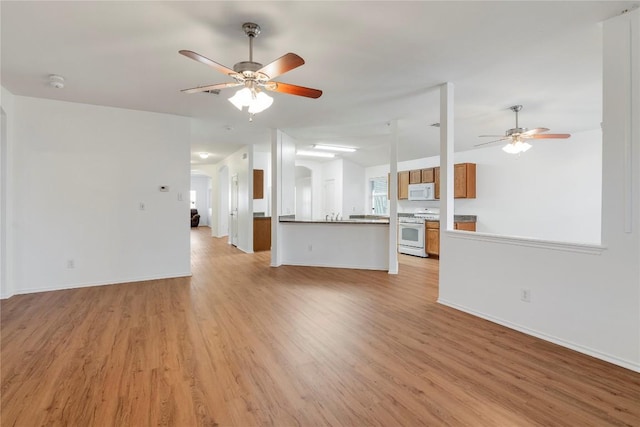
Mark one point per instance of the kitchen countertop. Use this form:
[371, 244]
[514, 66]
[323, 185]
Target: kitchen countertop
[288, 218]
[367, 219]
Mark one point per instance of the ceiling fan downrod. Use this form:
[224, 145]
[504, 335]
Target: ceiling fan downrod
[516, 109]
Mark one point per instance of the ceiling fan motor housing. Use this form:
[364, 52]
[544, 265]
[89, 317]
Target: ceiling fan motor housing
[515, 131]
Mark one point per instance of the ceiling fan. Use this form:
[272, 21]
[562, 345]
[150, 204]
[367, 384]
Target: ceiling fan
[254, 77]
[517, 136]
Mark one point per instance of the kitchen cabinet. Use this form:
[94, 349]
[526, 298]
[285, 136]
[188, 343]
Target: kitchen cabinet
[403, 185]
[464, 181]
[466, 226]
[427, 175]
[415, 177]
[432, 234]
[432, 237]
[261, 234]
[258, 184]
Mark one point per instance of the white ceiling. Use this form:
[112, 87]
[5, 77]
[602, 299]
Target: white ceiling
[375, 62]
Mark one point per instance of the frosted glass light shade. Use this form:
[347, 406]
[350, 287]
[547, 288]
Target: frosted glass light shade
[261, 102]
[242, 98]
[516, 147]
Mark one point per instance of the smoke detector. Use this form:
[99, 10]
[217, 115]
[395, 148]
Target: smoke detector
[56, 81]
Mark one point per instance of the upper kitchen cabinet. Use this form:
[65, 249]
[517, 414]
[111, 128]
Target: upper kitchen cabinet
[464, 181]
[427, 175]
[403, 185]
[415, 177]
[258, 184]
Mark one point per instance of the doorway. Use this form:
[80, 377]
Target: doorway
[233, 214]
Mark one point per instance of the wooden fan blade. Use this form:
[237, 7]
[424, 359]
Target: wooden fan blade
[210, 87]
[281, 65]
[491, 142]
[535, 131]
[206, 61]
[293, 89]
[548, 136]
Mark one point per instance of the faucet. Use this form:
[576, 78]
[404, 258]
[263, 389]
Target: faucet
[326, 217]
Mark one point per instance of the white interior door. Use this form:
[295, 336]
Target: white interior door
[233, 236]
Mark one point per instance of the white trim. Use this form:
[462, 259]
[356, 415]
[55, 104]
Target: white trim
[568, 344]
[345, 266]
[530, 242]
[103, 283]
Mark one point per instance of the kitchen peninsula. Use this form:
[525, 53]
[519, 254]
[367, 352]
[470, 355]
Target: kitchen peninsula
[349, 243]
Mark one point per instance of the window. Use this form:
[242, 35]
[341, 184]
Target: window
[379, 198]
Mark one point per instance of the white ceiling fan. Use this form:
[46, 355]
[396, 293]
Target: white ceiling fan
[517, 136]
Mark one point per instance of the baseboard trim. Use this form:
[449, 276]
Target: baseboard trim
[101, 283]
[567, 344]
[349, 266]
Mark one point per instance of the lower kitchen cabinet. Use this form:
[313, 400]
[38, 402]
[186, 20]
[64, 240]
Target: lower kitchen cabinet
[432, 234]
[432, 238]
[465, 226]
[261, 234]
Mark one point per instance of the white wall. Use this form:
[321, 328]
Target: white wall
[332, 171]
[80, 174]
[288, 175]
[316, 186]
[586, 298]
[6, 150]
[352, 182]
[551, 192]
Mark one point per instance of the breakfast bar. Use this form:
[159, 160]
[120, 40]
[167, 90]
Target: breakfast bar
[349, 243]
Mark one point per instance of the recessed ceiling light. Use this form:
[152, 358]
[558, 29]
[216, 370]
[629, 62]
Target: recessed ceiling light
[314, 154]
[333, 148]
[203, 155]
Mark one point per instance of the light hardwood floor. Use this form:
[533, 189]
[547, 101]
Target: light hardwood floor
[243, 344]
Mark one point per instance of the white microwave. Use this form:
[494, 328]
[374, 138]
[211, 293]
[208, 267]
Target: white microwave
[422, 191]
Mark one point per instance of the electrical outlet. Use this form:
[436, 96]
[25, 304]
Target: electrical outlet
[525, 295]
[71, 263]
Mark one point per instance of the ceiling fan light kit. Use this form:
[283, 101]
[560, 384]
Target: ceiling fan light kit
[254, 77]
[517, 136]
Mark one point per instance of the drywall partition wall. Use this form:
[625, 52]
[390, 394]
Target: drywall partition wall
[283, 170]
[332, 188]
[582, 297]
[352, 183]
[551, 192]
[87, 204]
[288, 175]
[7, 142]
[316, 186]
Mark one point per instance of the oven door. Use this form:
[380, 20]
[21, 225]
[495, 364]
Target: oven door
[411, 235]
